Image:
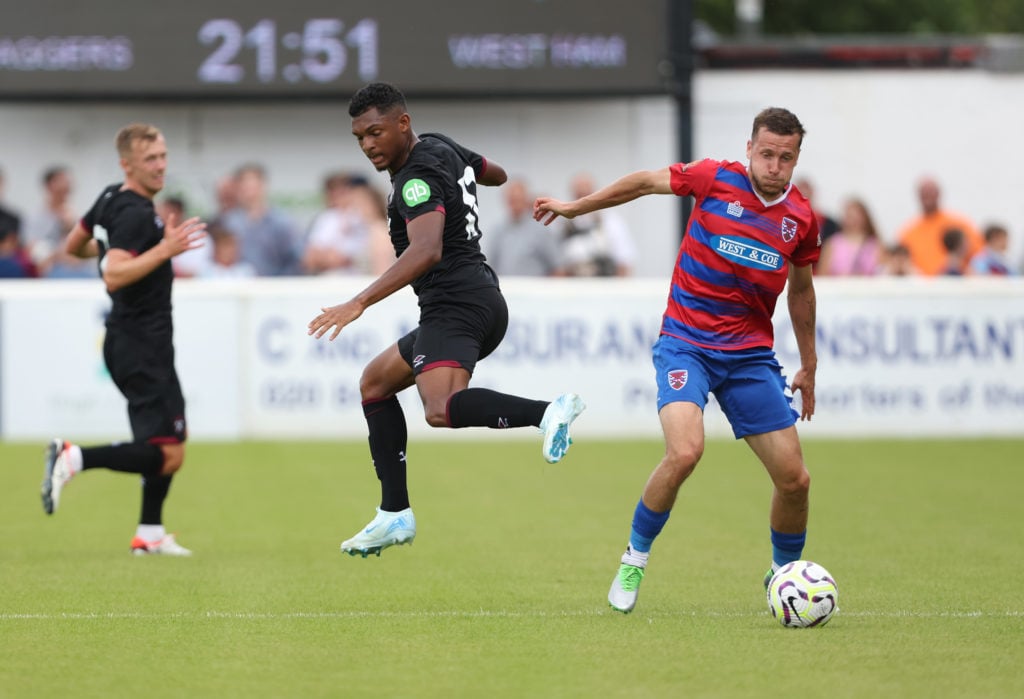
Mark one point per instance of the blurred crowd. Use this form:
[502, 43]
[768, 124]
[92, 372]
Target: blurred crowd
[935, 242]
[247, 235]
[250, 237]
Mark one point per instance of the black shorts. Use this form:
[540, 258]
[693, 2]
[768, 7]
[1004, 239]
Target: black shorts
[143, 370]
[456, 334]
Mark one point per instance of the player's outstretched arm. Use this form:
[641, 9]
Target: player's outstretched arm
[625, 189]
[426, 234]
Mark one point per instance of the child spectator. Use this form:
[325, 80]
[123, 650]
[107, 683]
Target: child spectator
[992, 259]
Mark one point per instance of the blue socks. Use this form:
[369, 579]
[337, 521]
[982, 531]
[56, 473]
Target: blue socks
[787, 548]
[647, 524]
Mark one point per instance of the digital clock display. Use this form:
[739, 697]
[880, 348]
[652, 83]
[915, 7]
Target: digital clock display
[231, 48]
[321, 51]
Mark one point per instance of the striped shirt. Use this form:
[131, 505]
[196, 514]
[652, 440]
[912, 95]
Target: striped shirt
[734, 259]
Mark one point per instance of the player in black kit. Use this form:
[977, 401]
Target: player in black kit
[135, 249]
[433, 221]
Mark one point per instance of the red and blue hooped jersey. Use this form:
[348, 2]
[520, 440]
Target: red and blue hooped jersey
[734, 259]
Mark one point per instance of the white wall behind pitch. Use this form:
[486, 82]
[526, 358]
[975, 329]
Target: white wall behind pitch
[871, 133]
[874, 133]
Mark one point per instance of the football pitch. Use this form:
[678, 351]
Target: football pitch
[503, 592]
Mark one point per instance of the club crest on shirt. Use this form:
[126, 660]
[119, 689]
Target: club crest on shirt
[677, 378]
[788, 229]
[735, 209]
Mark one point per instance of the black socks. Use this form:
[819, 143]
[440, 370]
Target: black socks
[482, 407]
[388, 439]
[127, 457]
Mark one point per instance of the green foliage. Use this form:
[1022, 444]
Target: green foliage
[921, 17]
[503, 592]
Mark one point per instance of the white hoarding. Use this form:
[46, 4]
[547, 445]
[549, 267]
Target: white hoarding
[906, 358]
[916, 357]
[591, 337]
[54, 381]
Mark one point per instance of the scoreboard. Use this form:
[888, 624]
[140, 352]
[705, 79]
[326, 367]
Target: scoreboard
[99, 49]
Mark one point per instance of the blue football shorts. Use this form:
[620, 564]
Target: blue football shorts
[748, 383]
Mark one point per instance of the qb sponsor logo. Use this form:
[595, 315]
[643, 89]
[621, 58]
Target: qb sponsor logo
[677, 378]
[415, 192]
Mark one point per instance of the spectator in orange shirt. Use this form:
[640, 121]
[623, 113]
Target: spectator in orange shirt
[922, 236]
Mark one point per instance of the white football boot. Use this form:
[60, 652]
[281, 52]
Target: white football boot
[555, 424]
[164, 546]
[386, 529]
[56, 474]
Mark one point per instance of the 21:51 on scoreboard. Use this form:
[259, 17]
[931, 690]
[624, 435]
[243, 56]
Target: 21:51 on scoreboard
[235, 49]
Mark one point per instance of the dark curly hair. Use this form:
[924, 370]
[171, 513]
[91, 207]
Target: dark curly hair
[382, 96]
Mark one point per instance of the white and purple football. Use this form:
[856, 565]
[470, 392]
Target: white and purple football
[803, 594]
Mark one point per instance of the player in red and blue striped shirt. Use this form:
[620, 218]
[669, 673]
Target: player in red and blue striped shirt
[750, 233]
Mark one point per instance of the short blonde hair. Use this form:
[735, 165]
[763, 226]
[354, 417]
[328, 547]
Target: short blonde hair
[128, 135]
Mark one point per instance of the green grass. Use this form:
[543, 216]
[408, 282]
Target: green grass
[503, 593]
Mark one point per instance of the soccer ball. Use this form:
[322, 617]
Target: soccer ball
[803, 593]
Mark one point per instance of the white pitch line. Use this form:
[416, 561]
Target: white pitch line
[479, 614]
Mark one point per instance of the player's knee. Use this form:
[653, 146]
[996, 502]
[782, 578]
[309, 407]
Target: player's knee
[682, 459]
[368, 387]
[436, 415]
[795, 483]
[435, 420]
[684, 456]
[174, 459]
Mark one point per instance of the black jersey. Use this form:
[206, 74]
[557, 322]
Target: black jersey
[440, 175]
[127, 220]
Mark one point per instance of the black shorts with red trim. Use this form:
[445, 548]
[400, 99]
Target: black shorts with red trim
[142, 367]
[456, 334]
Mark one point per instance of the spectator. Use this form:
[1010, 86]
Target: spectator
[339, 236]
[14, 261]
[923, 235]
[855, 250]
[598, 244]
[226, 193]
[993, 258]
[523, 246]
[827, 225]
[895, 262]
[9, 221]
[46, 230]
[954, 242]
[372, 205]
[194, 261]
[268, 237]
[226, 260]
[2, 207]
